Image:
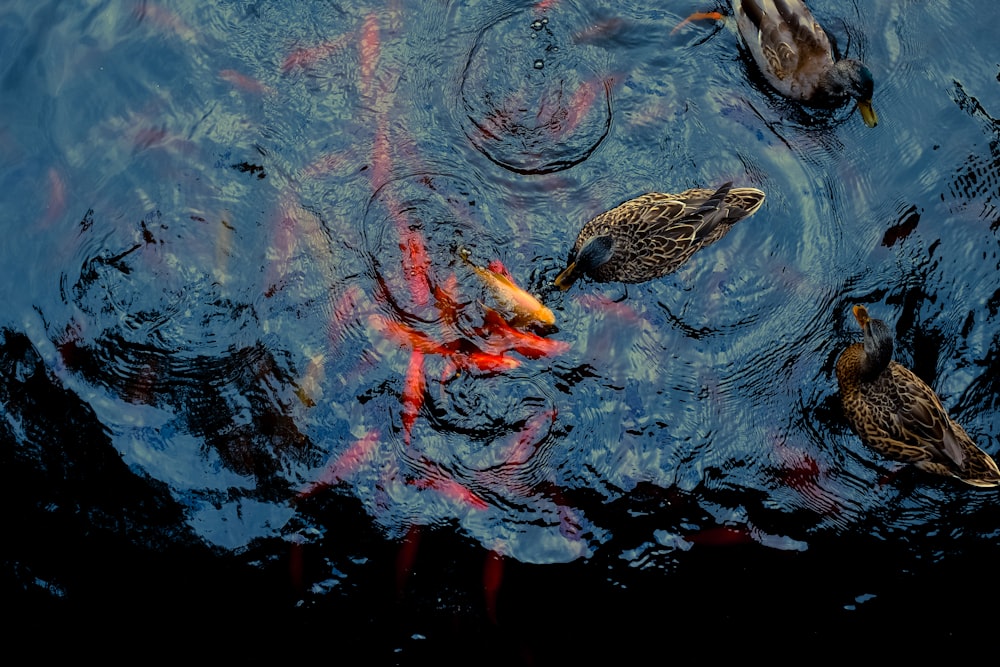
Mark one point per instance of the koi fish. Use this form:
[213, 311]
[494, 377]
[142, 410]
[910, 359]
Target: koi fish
[492, 577]
[484, 362]
[416, 265]
[56, 205]
[406, 556]
[697, 16]
[369, 49]
[579, 105]
[413, 393]
[306, 56]
[525, 307]
[527, 440]
[721, 536]
[407, 336]
[446, 299]
[502, 336]
[247, 83]
[453, 490]
[343, 465]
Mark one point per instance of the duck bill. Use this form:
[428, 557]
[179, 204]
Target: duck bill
[566, 277]
[868, 113]
[861, 315]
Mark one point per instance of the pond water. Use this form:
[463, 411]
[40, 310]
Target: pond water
[245, 368]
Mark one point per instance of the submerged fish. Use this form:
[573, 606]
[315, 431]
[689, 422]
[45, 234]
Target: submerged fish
[526, 308]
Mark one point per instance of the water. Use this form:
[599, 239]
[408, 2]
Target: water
[222, 220]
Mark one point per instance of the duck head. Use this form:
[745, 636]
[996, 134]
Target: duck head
[878, 342]
[851, 77]
[597, 251]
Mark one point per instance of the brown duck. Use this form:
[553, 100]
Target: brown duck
[895, 413]
[796, 57]
[651, 235]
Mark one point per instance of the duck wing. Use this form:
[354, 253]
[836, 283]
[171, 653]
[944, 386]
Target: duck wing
[920, 418]
[791, 47]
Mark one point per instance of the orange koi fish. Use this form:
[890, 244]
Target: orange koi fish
[525, 307]
[413, 393]
[501, 336]
[697, 16]
[343, 465]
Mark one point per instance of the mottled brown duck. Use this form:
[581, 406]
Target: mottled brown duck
[650, 236]
[795, 55]
[895, 413]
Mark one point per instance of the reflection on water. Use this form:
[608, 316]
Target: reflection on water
[236, 314]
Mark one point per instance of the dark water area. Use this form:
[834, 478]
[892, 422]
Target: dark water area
[245, 373]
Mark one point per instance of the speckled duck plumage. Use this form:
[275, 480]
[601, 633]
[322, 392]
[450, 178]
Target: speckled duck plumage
[895, 413]
[795, 55]
[650, 236]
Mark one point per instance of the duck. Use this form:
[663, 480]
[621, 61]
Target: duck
[796, 57]
[652, 235]
[896, 414]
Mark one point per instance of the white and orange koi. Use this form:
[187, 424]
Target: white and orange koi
[525, 307]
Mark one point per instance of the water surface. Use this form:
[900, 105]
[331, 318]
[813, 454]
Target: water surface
[219, 218]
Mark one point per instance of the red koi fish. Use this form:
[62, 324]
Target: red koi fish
[343, 465]
[492, 577]
[527, 440]
[346, 306]
[416, 265]
[501, 336]
[483, 362]
[526, 307]
[413, 393]
[406, 557]
[600, 32]
[307, 56]
[721, 536]
[56, 205]
[407, 336]
[446, 299]
[296, 562]
[164, 20]
[579, 105]
[247, 83]
[453, 490]
[619, 310]
[369, 49]
[416, 261]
